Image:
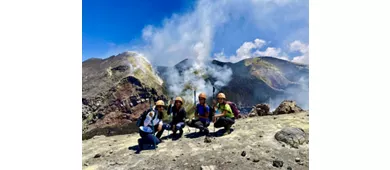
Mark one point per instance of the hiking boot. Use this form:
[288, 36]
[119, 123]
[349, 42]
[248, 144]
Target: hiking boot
[161, 141]
[206, 132]
[180, 132]
[140, 147]
[227, 132]
[200, 131]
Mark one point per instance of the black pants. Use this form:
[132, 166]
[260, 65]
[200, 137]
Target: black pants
[201, 125]
[224, 122]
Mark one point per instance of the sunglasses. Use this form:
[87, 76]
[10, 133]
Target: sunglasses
[159, 107]
[220, 98]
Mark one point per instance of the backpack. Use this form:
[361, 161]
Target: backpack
[141, 119]
[234, 108]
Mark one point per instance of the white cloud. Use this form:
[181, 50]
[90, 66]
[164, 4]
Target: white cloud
[270, 51]
[246, 51]
[259, 43]
[298, 46]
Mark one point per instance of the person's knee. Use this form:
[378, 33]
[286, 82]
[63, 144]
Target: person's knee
[231, 121]
[166, 126]
[180, 125]
[218, 124]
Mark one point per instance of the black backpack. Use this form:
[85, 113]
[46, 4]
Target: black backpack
[141, 119]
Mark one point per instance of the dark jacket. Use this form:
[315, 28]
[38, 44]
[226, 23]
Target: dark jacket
[178, 115]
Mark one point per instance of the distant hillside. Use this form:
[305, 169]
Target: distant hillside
[258, 80]
[117, 90]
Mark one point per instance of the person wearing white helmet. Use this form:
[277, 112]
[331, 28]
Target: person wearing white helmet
[152, 124]
[179, 115]
[202, 111]
[226, 118]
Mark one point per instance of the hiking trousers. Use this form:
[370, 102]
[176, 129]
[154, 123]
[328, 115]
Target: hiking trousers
[166, 126]
[147, 138]
[201, 125]
[224, 122]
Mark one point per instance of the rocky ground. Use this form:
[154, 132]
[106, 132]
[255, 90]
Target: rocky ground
[252, 145]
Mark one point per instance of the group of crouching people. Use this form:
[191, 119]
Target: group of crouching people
[151, 126]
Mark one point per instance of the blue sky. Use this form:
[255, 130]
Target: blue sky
[171, 29]
[106, 23]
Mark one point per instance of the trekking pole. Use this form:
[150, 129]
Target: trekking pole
[169, 116]
[195, 103]
[213, 106]
[151, 107]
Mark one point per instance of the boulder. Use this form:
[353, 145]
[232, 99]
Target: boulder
[241, 116]
[252, 114]
[292, 136]
[287, 107]
[277, 164]
[262, 109]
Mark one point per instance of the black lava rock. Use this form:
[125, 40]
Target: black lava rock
[97, 155]
[277, 164]
[243, 153]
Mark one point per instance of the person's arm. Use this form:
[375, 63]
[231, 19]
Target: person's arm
[206, 114]
[196, 112]
[223, 111]
[169, 111]
[184, 115]
[148, 118]
[159, 128]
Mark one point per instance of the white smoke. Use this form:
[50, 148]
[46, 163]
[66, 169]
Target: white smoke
[191, 35]
[299, 94]
[197, 76]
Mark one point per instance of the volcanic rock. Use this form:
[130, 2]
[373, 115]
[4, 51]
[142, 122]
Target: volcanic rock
[97, 155]
[243, 153]
[252, 114]
[287, 107]
[277, 164]
[262, 109]
[292, 136]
